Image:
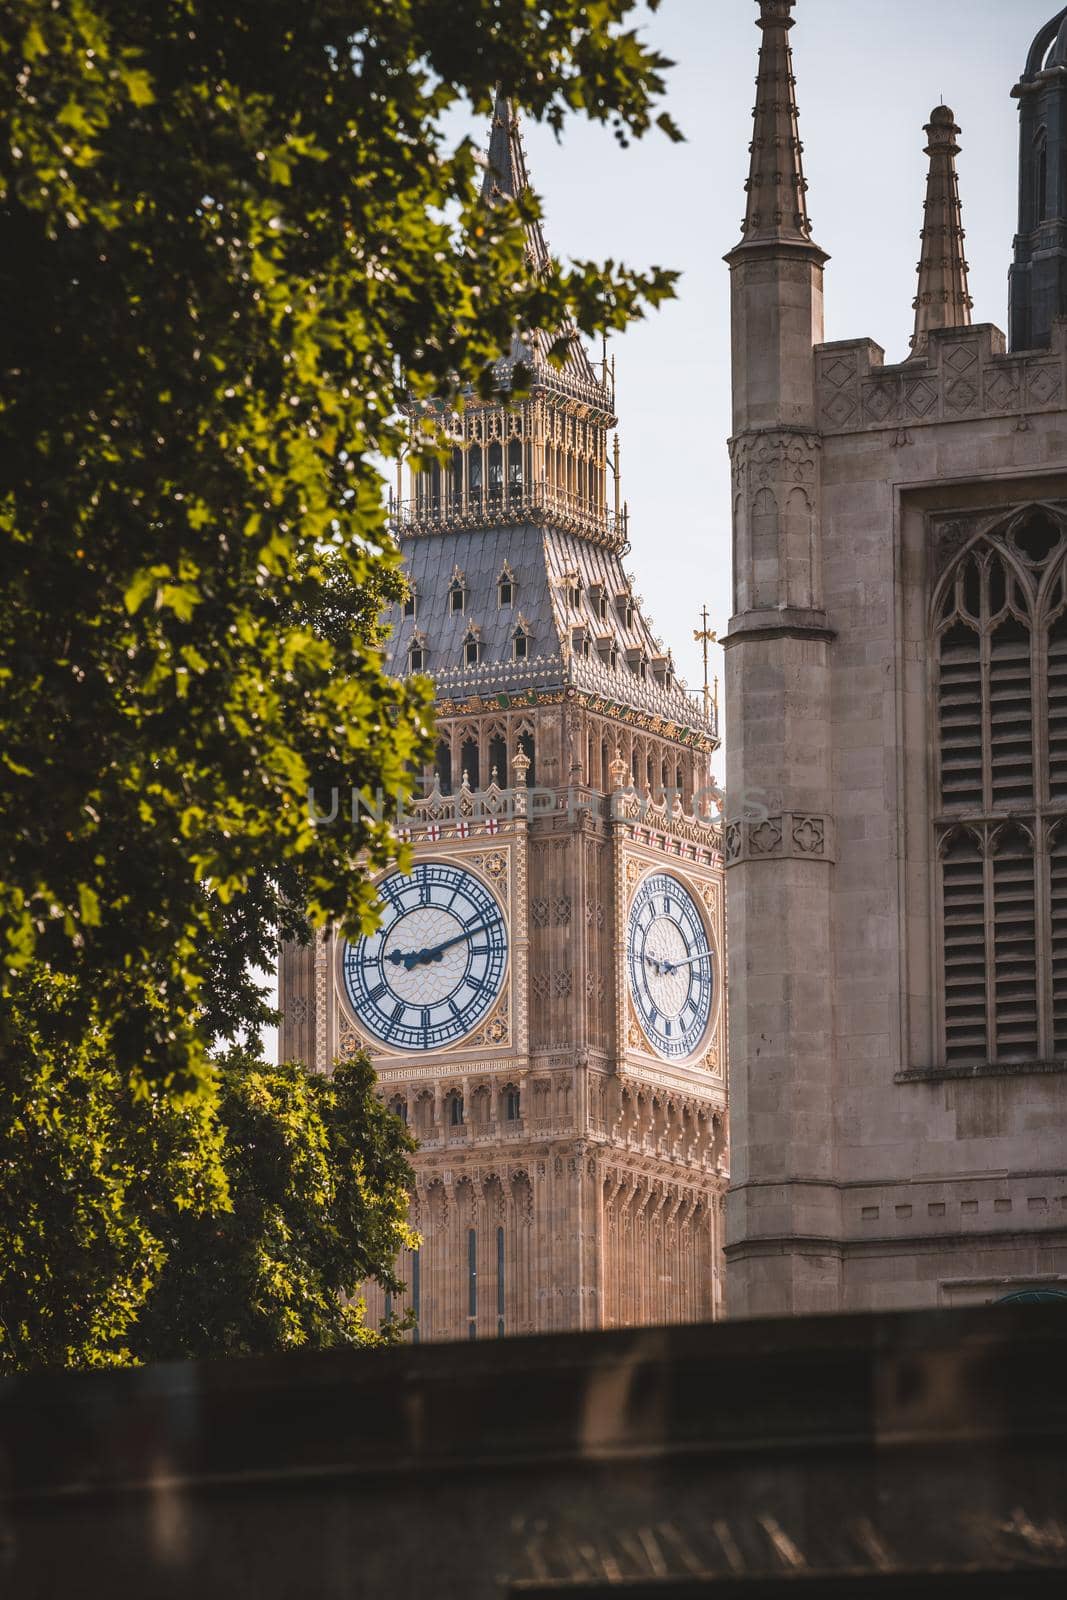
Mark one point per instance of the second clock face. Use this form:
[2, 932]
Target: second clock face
[670, 966]
[436, 964]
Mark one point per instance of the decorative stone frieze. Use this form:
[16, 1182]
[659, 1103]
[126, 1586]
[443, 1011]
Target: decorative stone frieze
[966, 374]
[797, 836]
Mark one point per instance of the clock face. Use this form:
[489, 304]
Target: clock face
[435, 965]
[670, 966]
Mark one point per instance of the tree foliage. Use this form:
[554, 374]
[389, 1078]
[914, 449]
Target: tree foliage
[232, 238]
[137, 1227]
[89, 1169]
[319, 1181]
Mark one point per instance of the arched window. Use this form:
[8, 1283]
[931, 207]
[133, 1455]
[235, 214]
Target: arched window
[1041, 176]
[984, 689]
[498, 760]
[474, 474]
[515, 470]
[455, 1111]
[496, 471]
[399, 1107]
[511, 1103]
[469, 761]
[1000, 650]
[443, 758]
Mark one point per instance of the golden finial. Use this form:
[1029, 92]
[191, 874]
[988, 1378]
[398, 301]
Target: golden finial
[705, 636]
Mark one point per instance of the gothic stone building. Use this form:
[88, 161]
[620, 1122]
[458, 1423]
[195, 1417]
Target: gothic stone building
[544, 1000]
[897, 689]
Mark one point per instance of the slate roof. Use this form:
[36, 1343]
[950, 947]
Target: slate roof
[543, 562]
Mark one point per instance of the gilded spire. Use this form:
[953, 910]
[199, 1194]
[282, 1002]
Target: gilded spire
[777, 211]
[942, 300]
[505, 172]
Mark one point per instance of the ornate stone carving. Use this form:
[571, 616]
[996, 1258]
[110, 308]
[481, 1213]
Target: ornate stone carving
[798, 835]
[765, 838]
[951, 537]
[809, 835]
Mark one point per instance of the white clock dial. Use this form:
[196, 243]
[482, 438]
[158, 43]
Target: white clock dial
[436, 963]
[670, 966]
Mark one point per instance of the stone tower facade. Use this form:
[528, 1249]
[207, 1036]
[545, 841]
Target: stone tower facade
[572, 1157]
[898, 983]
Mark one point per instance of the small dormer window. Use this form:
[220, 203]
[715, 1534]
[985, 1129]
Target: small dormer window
[607, 650]
[638, 663]
[599, 601]
[624, 605]
[416, 657]
[579, 642]
[411, 603]
[456, 597]
[472, 650]
[576, 594]
[505, 587]
[520, 644]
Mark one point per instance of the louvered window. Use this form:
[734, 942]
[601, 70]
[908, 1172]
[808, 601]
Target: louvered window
[960, 707]
[1000, 651]
[1057, 700]
[1014, 946]
[963, 892]
[1010, 744]
[1058, 931]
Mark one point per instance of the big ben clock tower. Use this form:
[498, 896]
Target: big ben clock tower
[544, 996]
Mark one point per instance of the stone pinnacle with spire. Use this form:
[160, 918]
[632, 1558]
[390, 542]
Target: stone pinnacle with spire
[777, 209]
[943, 300]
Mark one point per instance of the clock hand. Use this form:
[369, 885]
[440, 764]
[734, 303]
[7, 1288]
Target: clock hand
[415, 958]
[672, 966]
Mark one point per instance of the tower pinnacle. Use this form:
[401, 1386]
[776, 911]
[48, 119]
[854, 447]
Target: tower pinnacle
[1038, 276]
[777, 211]
[943, 300]
[505, 173]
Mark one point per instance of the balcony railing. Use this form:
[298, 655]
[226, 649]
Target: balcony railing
[670, 702]
[509, 506]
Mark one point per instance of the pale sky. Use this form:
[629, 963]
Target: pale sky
[868, 72]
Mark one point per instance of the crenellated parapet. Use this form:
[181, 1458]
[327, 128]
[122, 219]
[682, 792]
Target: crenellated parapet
[966, 374]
